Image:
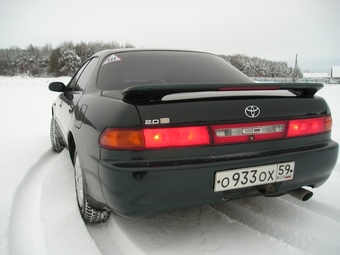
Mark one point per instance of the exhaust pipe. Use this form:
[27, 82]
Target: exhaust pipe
[301, 194]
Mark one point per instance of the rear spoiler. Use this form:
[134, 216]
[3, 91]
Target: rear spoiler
[154, 93]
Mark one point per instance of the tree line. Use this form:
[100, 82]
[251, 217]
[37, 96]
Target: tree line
[46, 61]
[258, 67]
[67, 57]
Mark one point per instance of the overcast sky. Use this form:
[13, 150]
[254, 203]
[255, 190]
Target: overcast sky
[272, 29]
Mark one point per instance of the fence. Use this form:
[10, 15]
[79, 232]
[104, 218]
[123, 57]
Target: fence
[300, 80]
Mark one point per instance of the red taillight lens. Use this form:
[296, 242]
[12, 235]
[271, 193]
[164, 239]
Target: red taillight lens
[176, 137]
[153, 138]
[312, 126]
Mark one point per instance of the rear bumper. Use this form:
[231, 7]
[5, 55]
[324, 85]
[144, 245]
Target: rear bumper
[144, 188]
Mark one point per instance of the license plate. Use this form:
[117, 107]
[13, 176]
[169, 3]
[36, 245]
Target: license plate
[253, 176]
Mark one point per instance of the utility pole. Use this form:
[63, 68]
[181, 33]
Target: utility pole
[295, 70]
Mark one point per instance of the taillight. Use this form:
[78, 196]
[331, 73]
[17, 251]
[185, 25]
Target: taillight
[311, 126]
[151, 138]
[174, 137]
[113, 138]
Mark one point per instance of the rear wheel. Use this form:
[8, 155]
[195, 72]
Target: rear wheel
[88, 213]
[55, 136]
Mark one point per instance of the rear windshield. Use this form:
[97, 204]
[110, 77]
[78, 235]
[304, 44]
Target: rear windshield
[125, 69]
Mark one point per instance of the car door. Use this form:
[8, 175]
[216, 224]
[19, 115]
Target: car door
[74, 91]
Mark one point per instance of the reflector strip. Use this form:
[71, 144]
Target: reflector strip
[250, 130]
[238, 133]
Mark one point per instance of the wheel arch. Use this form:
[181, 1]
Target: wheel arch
[71, 146]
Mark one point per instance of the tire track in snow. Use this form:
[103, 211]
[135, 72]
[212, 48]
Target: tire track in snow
[26, 233]
[197, 230]
[111, 239]
[45, 218]
[302, 228]
[64, 230]
[315, 206]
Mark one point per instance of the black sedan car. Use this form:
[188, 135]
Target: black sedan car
[154, 130]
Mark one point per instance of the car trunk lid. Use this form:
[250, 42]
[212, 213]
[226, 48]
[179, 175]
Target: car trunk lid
[226, 114]
[224, 103]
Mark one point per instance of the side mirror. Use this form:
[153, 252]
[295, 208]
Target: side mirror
[57, 86]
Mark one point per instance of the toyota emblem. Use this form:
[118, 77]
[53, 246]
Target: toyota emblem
[252, 111]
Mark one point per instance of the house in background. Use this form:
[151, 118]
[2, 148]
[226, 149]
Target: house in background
[335, 73]
[315, 77]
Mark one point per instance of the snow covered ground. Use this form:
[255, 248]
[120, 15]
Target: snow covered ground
[39, 213]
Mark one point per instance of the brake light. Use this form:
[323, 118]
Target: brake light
[249, 88]
[312, 126]
[152, 138]
[174, 137]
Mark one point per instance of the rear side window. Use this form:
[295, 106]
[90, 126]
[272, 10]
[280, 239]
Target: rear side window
[86, 75]
[125, 69]
[80, 79]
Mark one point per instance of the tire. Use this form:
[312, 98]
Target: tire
[55, 136]
[88, 213]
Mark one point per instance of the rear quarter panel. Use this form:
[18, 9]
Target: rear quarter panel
[86, 128]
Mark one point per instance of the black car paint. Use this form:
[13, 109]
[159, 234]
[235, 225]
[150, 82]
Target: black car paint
[144, 183]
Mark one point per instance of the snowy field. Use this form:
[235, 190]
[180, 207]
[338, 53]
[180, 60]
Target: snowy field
[39, 213]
